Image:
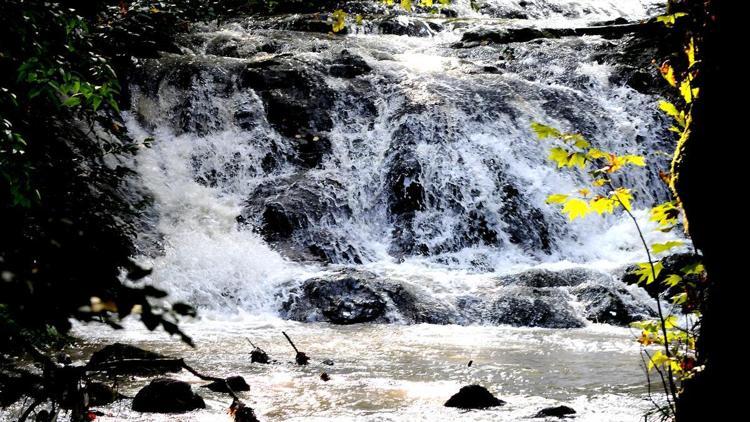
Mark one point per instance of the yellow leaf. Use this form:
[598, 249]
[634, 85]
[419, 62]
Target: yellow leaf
[557, 198]
[624, 197]
[406, 5]
[663, 247]
[690, 52]
[425, 3]
[600, 182]
[635, 160]
[339, 20]
[596, 154]
[358, 19]
[445, 2]
[577, 159]
[602, 205]
[686, 91]
[388, 2]
[576, 208]
[673, 112]
[559, 155]
[670, 20]
[646, 274]
[668, 73]
[584, 192]
[665, 214]
[576, 139]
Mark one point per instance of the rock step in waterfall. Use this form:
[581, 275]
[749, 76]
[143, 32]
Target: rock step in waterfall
[406, 143]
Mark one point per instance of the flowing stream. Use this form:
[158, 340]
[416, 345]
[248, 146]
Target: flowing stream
[282, 155]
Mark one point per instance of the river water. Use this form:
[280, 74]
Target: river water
[424, 170]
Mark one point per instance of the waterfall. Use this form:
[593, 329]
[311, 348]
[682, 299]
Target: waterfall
[280, 154]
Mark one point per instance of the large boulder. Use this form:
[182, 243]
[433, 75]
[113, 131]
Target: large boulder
[532, 307]
[295, 213]
[348, 65]
[118, 352]
[352, 296]
[610, 304]
[473, 397]
[347, 298]
[404, 25]
[165, 395]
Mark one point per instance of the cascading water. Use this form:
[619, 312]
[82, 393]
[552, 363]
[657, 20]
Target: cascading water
[282, 156]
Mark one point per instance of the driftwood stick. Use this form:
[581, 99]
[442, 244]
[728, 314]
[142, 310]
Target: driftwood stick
[251, 343]
[290, 342]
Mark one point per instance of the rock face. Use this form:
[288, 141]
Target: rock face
[352, 296]
[473, 397]
[534, 298]
[556, 411]
[165, 395]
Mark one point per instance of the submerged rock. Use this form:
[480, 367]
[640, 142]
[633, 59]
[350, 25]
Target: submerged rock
[556, 411]
[165, 395]
[236, 383]
[100, 394]
[473, 397]
[118, 352]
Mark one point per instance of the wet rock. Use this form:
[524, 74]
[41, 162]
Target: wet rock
[347, 298]
[611, 304]
[235, 383]
[328, 362]
[534, 233]
[325, 377]
[295, 213]
[525, 307]
[294, 93]
[508, 35]
[556, 411]
[547, 278]
[240, 412]
[259, 356]
[348, 66]
[352, 296]
[473, 397]
[402, 25]
[119, 351]
[100, 394]
[165, 395]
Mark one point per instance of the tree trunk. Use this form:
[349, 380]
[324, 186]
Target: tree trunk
[702, 177]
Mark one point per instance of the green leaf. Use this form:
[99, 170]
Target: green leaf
[695, 268]
[544, 131]
[663, 247]
[72, 102]
[672, 280]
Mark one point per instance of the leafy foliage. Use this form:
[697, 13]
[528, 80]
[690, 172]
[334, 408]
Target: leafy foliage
[675, 360]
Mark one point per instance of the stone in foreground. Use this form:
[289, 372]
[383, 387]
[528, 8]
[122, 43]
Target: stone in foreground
[473, 397]
[166, 395]
[556, 411]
